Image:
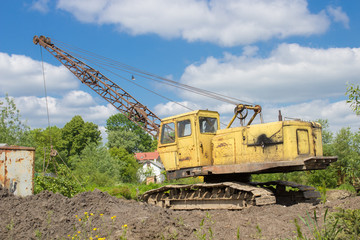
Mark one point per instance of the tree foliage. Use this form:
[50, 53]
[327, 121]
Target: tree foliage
[353, 93]
[126, 165]
[41, 139]
[94, 166]
[77, 134]
[64, 183]
[12, 130]
[127, 140]
[343, 147]
[123, 133]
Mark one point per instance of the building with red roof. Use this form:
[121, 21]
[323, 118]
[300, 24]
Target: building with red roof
[152, 167]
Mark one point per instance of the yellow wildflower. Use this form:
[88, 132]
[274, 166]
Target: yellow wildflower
[95, 229]
[91, 214]
[79, 219]
[101, 214]
[76, 216]
[85, 213]
[79, 232]
[113, 217]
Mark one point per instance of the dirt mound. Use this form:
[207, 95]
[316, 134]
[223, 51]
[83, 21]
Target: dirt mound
[53, 216]
[338, 195]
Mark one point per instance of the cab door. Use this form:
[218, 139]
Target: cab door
[186, 143]
[208, 125]
[167, 146]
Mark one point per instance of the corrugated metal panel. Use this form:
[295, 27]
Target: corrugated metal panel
[17, 169]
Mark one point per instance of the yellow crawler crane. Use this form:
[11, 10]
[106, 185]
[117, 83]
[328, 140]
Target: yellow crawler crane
[192, 144]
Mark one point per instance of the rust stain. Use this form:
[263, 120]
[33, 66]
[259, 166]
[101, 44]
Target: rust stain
[222, 145]
[17, 169]
[5, 176]
[184, 159]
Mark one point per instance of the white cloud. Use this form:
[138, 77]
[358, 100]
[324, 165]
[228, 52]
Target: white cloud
[250, 51]
[338, 15]
[21, 75]
[224, 22]
[172, 108]
[40, 5]
[291, 74]
[78, 99]
[34, 110]
[337, 113]
[302, 82]
[104, 134]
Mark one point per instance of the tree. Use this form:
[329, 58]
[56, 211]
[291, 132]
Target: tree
[353, 92]
[126, 165]
[128, 140]
[345, 146]
[12, 130]
[123, 133]
[77, 134]
[94, 166]
[42, 139]
[327, 137]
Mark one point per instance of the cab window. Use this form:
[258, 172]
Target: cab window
[184, 128]
[168, 133]
[208, 124]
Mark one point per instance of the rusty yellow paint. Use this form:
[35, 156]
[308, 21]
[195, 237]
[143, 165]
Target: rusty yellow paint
[302, 137]
[260, 143]
[224, 151]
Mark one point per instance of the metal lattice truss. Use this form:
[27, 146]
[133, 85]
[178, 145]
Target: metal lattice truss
[107, 89]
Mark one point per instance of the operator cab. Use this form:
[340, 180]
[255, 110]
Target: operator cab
[185, 139]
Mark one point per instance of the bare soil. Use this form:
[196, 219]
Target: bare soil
[53, 216]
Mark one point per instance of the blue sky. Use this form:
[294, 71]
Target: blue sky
[292, 55]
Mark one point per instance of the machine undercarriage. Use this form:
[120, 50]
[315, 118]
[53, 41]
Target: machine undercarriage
[235, 191]
[230, 195]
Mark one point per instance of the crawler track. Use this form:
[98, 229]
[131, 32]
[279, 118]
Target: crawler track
[230, 195]
[289, 193]
[226, 195]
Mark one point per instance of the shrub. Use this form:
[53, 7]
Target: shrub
[347, 187]
[64, 183]
[121, 192]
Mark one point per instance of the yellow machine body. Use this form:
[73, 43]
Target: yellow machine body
[192, 144]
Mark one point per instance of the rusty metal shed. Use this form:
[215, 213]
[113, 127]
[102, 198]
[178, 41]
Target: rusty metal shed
[17, 166]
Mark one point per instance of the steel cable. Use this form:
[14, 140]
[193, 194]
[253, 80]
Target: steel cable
[101, 60]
